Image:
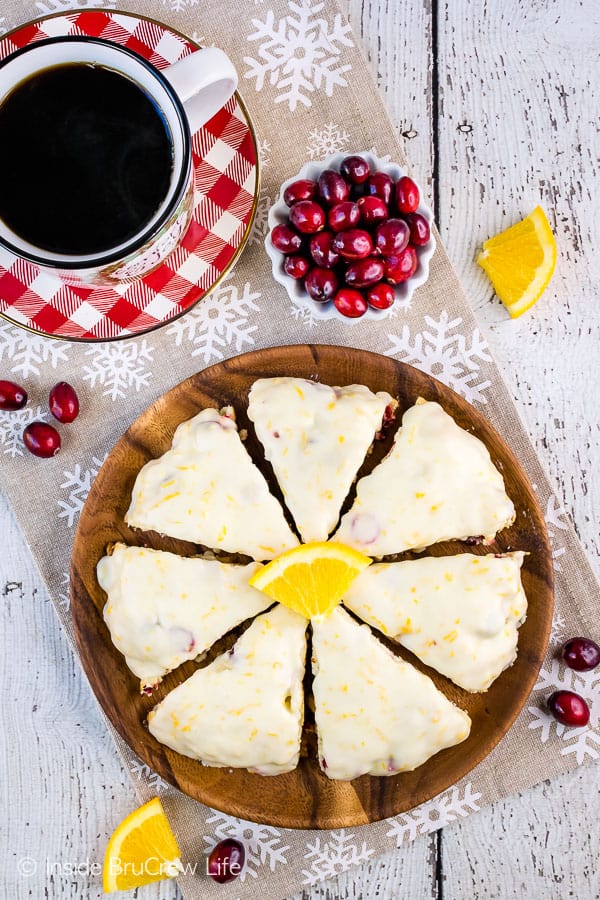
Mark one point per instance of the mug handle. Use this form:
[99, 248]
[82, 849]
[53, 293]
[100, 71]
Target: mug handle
[204, 81]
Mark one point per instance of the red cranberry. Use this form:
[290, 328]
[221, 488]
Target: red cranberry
[353, 244]
[401, 266]
[63, 402]
[303, 189]
[381, 296]
[343, 216]
[307, 216]
[420, 232]
[364, 272]
[12, 396]
[355, 169]
[332, 187]
[380, 185]
[322, 251]
[407, 196]
[581, 654]
[569, 708]
[41, 439]
[321, 284]
[391, 237]
[285, 239]
[296, 266]
[372, 209]
[350, 303]
[226, 860]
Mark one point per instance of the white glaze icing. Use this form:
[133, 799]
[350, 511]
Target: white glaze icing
[163, 609]
[245, 709]
[458, 614]
[375, 713]
[437, 483]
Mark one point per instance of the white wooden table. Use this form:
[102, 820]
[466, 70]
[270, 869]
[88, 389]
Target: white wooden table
[498, 106]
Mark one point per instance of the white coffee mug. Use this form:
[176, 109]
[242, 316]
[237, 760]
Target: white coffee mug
[187, 93]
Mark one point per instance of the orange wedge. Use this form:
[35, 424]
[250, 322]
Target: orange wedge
[311, 579]
[142, 849]
[520, 261]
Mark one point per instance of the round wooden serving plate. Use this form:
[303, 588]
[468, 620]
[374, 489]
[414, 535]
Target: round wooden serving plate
[304, 798]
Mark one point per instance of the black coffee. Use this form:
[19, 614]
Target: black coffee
[85, 159]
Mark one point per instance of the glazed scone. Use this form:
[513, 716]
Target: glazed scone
[458, 614]
[245, 709]
[437, 483]
[163, 609]
[207, 490]
[375, 713]
[316, 438]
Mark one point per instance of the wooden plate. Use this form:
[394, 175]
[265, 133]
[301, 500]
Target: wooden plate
[304, 798]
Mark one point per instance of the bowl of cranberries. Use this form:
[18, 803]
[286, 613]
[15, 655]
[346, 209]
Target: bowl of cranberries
[350, 237]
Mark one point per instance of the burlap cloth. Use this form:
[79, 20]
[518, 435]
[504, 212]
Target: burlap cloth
[310, 93]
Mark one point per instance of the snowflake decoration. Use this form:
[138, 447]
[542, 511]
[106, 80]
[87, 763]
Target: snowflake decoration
[434, 814]
[180, 5]
[64, 596]
[119, 366]
[556, 521]
[326, 141]
[55, 6]
[264, 154]
[221, 319]
[300, 53]
[78, 484]
[3, 28]
[304, 315]
[262, 842]
[142, 771]
[446, 354]
[386, 158]
[12, 425]
[26, 352]
[261, 224]
[557, 629]
[581, 742]
[333, 856]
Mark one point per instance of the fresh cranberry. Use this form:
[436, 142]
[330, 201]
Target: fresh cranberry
[41, 439]
[364, 272]
[420, 232]
[391, 237]
[381, 296]
[297, 266]
[581, 654]
[401, 266]
[355, 169]
[353, 244]
[372, 209]
[226, 860]
[303, 189]
[12, 396]
[343, 216]
[407, 196]
[63, 402]
[380, 185]
[307, 216]
[569, 708]
[321, 284]
[285, 239]
[350, 303]
[332, 187]
[322, 251]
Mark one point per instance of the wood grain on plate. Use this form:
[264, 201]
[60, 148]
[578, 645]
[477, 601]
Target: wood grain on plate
[304, 798]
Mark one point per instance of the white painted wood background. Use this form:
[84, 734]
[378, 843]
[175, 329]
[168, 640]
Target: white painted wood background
[498, 103]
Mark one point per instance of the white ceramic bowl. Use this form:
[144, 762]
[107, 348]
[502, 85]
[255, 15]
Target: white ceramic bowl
[279, 213]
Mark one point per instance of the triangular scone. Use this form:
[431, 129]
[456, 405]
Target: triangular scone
[316, 438]
[458, 614]
[246, 708]
[437, 483]
[163, 609]
[207, 490]
[375, 714]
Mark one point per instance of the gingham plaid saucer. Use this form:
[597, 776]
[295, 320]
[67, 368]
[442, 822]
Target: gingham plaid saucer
[226, 188]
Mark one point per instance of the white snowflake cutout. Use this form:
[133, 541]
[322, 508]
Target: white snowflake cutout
[144, 772]
[78, 484]
[262, 842]
[24, 352]
[12, 425]
[118, 366]
[447, 354]
[435, 814]
[556, 520]
[300, 53]
[179, 5]
[557, 629]
[264, 153]
[304, 315]
[55, 6]
[261, 223]
[324, 142]
[3, 28]
[335, 855]
[64, 595]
